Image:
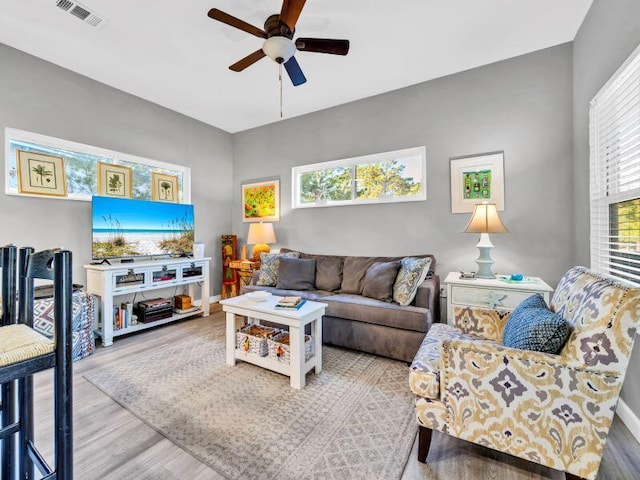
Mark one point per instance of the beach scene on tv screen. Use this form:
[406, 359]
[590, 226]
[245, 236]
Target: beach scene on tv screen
[133, 228]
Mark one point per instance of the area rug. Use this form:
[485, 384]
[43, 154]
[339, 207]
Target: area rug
[355, 420]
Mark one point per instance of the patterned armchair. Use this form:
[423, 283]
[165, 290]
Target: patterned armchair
[555, 410]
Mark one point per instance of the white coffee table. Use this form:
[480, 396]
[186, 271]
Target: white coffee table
[296, 320]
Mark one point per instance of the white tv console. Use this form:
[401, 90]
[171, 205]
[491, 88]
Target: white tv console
[109, 281]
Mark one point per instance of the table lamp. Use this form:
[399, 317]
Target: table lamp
[260, 234]
[485, 220]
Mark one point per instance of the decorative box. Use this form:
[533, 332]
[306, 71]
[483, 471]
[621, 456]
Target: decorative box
[183, 302]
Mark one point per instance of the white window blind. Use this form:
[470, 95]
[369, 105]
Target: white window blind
[614, 123]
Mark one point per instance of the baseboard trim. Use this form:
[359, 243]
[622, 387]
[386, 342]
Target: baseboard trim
[212, 299]
[629, 418]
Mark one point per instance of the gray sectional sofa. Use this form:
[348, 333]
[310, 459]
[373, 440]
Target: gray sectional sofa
[361, 323]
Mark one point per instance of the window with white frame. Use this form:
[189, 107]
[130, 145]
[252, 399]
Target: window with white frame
[399, 176]
[81, 163]
[614, 123]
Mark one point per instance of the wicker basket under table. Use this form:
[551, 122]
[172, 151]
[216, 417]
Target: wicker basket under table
[280, 350]
[252, 339]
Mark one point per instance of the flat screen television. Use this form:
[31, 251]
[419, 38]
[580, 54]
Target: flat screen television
[125, 228]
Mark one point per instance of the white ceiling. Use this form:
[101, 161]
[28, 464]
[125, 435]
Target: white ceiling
[172, 54]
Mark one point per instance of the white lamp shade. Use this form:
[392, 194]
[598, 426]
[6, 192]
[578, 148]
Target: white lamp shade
[261, 233]
[485, 219]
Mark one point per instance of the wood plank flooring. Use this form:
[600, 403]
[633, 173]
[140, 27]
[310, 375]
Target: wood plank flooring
[113, 444]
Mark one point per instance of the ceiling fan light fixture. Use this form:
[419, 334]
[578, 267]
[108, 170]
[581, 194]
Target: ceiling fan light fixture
[279, 49]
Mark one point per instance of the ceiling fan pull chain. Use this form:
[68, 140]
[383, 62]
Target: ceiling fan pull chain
[280, 80]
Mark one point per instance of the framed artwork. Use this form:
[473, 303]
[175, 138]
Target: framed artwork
[164, 187]
[476, 179]
[41, 174]
[115, 180]
[261, 201]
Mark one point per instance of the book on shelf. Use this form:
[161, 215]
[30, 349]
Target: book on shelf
[290, 303]
[122, 316]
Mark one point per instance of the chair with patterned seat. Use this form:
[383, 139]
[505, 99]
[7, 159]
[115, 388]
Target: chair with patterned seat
[555, 410]
[23, 352]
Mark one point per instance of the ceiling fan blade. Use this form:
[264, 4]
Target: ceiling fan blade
[247, 61]
[291, 12]
[295, 72]
[323, 45]
[236, 22]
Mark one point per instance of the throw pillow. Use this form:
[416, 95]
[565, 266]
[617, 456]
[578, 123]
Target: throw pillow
[379, 279]
[534, 301]
[534, 327]
[328, 273]
[269, 263]
[328, 270]
[412, 273]
[354, 270]
[296, 274]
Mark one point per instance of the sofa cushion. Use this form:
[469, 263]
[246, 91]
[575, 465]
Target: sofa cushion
[379, 279]
[535, 328]
[269, 263]
[412, 273]
[296, 274]
[370, 310]
[424, 374]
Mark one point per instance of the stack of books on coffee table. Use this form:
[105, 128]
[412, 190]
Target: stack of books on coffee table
[290, 303]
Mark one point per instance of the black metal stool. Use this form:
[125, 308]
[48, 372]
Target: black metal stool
[24, 352]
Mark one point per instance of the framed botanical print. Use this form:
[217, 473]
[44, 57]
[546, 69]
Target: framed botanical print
[261, 201]
[164, 187]
[41, 174]
[114, 180]
[476, 179]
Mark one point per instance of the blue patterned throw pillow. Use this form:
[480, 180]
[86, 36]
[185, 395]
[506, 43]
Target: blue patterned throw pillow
[269, 264]
[534, 301]
[412, 273]
[532, 326]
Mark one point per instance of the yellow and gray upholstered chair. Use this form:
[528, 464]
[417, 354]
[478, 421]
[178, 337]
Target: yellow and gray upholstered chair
[555, 410]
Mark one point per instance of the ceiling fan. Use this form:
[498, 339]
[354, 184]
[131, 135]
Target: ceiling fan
[278, 45]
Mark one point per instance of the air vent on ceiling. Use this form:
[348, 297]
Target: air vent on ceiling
[88, 16]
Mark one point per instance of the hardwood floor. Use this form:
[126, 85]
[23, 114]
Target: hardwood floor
[112, 444]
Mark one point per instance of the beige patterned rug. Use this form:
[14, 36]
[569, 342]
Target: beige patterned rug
[353, 421]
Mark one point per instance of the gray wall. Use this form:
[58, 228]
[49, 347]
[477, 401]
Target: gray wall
[608, 35]
[522, 106]
[43, 98]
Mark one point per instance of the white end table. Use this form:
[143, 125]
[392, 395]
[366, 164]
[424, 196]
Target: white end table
[493, 294]
[296, 320]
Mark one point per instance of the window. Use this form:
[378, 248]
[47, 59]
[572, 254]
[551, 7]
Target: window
[398, 176]
[81, 166]
[614, 121]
